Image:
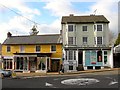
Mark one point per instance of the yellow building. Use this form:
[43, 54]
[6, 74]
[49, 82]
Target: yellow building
[38, 53]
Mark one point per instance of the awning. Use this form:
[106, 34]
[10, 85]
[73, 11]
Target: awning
[33, 54]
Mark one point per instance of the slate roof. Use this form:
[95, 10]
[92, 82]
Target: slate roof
[84, 19]
[34, 39]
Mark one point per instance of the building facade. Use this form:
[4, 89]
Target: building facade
[38, 53]
[86, 42]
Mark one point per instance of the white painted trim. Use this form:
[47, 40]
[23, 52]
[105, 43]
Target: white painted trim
[77, 58]
[83, 58]
[55, 58]
[8, 57]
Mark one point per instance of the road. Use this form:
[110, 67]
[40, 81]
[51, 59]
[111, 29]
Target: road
[108, 79]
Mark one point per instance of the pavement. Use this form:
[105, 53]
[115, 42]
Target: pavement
[35, 75]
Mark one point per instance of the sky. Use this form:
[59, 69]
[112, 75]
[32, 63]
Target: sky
[19, 16]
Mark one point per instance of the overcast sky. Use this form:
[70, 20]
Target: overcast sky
[48, 13]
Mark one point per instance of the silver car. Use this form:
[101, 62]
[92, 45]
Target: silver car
[5, 73]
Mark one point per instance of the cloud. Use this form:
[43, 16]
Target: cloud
[20, 6]
[109, 9]
[59, 8]
[52, 28]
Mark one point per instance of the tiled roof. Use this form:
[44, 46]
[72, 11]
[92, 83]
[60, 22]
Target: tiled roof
[84, 19]
[34, 39]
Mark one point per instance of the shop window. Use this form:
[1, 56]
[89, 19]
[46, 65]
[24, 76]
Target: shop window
[42, 66]
[99, 56]
[7, 63]
[105, 57]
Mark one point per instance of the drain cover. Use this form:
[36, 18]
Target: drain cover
[80, 81]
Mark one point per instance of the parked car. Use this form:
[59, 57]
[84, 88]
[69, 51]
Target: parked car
[5, 73]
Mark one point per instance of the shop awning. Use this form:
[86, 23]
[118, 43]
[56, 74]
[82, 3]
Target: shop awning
[34, 54]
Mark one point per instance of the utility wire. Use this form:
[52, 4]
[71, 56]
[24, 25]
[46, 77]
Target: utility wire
[19, 14]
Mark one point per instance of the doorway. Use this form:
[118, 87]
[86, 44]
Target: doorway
[33, 63]
[55, 64]
[80, 60]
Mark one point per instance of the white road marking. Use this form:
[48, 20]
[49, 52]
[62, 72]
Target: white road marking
[80, 81]
[48, 84]
[113, 82]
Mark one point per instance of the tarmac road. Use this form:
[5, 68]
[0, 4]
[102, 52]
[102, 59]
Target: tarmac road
[108, 79]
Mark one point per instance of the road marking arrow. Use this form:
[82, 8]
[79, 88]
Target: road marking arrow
[48, 84]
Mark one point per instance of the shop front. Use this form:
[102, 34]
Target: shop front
[32, 63]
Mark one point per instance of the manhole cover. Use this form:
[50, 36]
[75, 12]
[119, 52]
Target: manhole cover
[80, 81]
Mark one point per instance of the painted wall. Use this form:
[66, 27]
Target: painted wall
[79, 33]
[32, 49]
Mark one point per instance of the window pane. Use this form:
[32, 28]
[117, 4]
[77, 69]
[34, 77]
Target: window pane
[84, 40]
[70, 55]
[99, 27]
[99, 40]
[37, 48]
[105, 52]
[70, 40]
[70, 28]
[53, 48]
[8, 48]
[84, 28]
[22, 48]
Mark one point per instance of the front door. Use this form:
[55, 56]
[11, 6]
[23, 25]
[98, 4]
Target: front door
[80, 60]
[55, 64]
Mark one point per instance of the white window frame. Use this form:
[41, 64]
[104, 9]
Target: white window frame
[71, 25]
[71, 41]
[97, 40]
[73, 55]
[22, 48]
[95, 27]
[84, 26]
[51, 48]
[83, 39]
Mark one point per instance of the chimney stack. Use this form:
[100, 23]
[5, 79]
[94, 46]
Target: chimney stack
[9, 34]
[71, 14]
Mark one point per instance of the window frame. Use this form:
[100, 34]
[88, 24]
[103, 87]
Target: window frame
[8, 48]
[69, 28]
[84, 39]
[70, 41]
[36, 48]
[52, 50]
[101, 27]
[99, 40]
[22, 48]
[84, 29]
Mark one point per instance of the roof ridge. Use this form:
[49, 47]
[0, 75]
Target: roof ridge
[35, 35]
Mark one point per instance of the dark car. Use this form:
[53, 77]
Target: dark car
[5, 73]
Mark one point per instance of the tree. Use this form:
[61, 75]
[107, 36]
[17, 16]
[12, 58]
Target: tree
[117, 42]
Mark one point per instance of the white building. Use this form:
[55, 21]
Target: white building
[86, 42]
